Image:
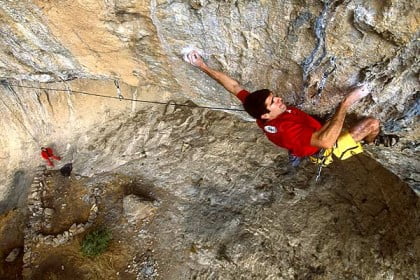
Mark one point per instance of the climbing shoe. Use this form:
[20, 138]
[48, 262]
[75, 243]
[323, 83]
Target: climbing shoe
[387, 140]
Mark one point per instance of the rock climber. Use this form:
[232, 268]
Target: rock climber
[299, 133]
[48, 154]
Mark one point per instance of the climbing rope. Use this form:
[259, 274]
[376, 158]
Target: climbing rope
[121, 97]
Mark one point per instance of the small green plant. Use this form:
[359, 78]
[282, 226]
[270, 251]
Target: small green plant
[96, 242]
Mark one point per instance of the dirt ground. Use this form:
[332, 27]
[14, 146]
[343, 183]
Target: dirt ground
[67, 262]
[11, 236]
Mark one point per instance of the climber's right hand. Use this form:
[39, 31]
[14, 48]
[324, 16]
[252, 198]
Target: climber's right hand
[196, 59]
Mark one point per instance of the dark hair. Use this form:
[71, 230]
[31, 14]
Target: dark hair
[255, 103]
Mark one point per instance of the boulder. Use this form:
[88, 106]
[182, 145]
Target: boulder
[136, 210]
[48, 211]
[13, 255]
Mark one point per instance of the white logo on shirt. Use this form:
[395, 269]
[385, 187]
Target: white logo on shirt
[270, 129]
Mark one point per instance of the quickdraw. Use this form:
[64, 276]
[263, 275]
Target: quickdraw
[117, 85]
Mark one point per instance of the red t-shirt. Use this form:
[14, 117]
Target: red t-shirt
[291, 130]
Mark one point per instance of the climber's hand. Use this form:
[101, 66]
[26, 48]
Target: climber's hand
[195, 59]
[357, 94]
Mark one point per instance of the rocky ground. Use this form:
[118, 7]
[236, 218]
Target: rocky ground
[203, 195]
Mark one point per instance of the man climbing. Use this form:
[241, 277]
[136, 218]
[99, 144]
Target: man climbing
[298, 132]
[48, 154]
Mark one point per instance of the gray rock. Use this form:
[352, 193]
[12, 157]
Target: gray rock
[48, 239]
[136, 209]
[49, 211]
[37, 226]
[73, 229]
[27, 257]
[92, 199]
[13, 255]
[92, 217]
[34, 195]
[80, 230]
[94, 208]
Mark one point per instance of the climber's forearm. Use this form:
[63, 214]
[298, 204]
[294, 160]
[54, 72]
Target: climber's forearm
[227, 82]
[329, 132]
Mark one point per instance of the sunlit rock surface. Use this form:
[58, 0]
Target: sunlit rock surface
[309, 52]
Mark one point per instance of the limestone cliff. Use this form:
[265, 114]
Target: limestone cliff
[72, 73]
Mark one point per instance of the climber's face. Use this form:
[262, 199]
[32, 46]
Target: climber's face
[275, 107]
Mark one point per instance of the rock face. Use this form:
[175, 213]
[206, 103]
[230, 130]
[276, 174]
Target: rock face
[310, 52]
[137, 210]
[229, 208]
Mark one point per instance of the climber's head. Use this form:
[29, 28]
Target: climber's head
[263, 105]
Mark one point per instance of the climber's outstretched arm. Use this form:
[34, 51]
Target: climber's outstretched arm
[227, 82]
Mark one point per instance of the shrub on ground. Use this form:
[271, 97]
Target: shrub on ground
[96, 242]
